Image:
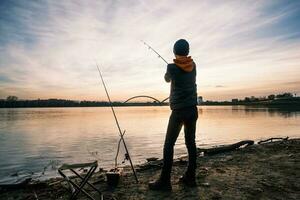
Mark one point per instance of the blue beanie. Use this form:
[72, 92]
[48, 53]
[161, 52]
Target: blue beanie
[181, 47]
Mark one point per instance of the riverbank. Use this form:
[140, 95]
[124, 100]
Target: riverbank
[265, 171]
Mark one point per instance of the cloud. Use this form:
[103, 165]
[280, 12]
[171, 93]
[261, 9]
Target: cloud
[48, 49]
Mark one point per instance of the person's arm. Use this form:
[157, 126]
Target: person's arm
[167, 75]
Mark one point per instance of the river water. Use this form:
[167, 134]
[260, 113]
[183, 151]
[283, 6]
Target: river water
[32, 138]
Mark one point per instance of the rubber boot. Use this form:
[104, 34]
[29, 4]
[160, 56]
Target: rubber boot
[188, 179]
[161, 185]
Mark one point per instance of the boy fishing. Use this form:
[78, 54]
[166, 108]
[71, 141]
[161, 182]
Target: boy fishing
[183, 103]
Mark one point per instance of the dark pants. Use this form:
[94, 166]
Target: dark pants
[186, 117]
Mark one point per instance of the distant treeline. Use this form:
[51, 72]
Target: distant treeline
[284, 99]
[13, 102]
[293, 102]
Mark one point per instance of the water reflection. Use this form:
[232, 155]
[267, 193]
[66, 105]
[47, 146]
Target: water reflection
[31, 137]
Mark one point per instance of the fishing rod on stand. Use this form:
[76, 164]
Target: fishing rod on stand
[121, 134]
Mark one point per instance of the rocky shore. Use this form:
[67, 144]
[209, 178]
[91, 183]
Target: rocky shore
[259, 171]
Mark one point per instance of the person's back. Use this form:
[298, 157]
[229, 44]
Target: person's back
[183, 101]
[183, 85]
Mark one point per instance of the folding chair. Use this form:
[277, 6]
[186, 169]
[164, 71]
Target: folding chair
[76, 189]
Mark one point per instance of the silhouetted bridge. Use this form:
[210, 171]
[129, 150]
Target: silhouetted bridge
[146, 96]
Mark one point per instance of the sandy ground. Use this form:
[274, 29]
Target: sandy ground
[266, 171]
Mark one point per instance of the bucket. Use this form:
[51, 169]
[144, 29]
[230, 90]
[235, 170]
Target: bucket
[113, 177]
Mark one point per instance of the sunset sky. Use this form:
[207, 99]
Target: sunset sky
[242, 48]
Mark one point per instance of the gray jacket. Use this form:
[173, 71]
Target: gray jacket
[183, 91]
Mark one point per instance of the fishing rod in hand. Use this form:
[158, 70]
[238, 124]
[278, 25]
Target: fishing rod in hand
[150, 48]
[127, 155]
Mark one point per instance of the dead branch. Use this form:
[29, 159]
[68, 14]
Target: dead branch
[272, 139]
[226, 148]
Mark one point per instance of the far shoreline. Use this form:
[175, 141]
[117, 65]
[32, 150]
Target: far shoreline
[286, 100]
[295, 107]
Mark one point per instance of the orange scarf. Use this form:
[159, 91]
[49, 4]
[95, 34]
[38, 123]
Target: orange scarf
[185, 63]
